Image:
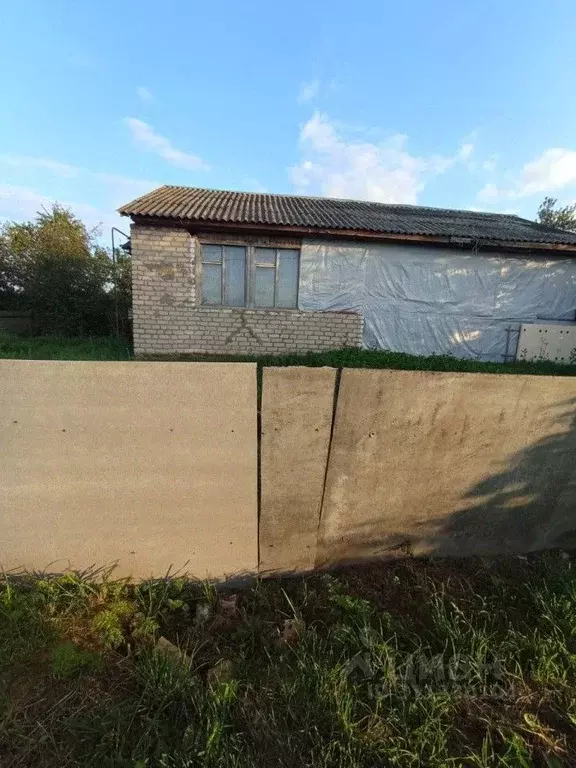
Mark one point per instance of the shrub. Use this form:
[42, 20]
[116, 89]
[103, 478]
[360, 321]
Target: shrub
[54, 267]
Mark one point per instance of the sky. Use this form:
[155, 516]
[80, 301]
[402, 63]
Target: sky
[453, 103]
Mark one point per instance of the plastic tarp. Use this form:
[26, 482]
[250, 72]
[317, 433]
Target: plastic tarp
[436, 301]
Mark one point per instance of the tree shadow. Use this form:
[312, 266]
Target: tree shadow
[527, 504]
[531, 503]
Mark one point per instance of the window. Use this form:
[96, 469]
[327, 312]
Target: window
[247, 276]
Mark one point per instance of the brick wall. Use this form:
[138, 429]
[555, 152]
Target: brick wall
[168, 319]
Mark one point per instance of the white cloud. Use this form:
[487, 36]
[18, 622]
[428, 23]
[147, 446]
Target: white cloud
[490, 165]
[554, 169]
[250, 184]
[308, 91]
[145, 95]
[25, 161]
[383, 171]
[124, 185]
[19, 203]
[465, 151]
[144, 135]
[489, 193]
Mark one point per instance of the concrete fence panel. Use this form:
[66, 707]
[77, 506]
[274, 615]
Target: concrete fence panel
[153, 465]
[449, 464]
[297, 406]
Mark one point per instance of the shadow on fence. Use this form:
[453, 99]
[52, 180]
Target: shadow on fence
[527, 504]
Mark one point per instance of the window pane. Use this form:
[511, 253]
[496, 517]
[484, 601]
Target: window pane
[287, 292]
[266, 256]
[212, 284]
[264, 288]
[235, 260]
[212, 253]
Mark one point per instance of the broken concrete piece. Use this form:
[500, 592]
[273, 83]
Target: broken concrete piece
[203, 613]
[291, 631]
[168, 649]
[221, 672]
[228, 605]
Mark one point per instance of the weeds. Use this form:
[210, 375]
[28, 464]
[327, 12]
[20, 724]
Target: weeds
[110, 348]
[59, 348]
[371, 358]
[68, 660]
[416, 663]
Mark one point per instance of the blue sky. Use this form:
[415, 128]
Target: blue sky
[455, 103]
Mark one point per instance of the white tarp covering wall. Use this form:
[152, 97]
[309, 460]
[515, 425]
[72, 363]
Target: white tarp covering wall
[436, 301]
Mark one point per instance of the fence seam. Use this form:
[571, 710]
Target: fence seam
[332, 426]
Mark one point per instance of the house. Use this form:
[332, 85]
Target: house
[242, 273]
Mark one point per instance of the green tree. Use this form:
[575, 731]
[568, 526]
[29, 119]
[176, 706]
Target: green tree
[54, 267]
[562, 218]
[123, 287]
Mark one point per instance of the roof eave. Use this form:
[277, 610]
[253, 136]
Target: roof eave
[195, 226]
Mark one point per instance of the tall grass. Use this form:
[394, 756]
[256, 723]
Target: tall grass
[110, 348]
[408, 664]
[56, 348]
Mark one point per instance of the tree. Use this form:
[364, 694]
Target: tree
[562, 218]
[123, 288]
[54, 267]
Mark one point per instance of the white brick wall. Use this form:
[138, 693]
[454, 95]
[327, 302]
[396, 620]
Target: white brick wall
[168, 319]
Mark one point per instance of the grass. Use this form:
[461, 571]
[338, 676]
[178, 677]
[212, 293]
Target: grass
[110, 348]
[56, 348]
[366, 358]
[413, 663]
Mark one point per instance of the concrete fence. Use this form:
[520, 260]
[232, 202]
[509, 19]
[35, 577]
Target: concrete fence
[151, 465]
[154, 466]
[417, 463]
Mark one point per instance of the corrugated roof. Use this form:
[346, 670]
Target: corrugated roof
[189, 204]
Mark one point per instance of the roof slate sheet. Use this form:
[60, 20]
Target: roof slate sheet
[189, 204]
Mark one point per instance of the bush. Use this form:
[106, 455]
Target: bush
[54, 267]
[68, 660]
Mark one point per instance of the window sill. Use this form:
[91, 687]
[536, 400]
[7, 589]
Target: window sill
[212, 308]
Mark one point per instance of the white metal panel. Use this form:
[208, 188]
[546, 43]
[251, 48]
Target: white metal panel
[544, 341]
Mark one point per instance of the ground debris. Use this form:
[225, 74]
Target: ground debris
[290, 632]
[204, 613]
[171, 651]
[221, 672]
[408, 663]
[228, 605]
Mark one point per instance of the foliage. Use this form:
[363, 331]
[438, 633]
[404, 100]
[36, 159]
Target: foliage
[54, 348]
[372, 358]
[54, 267]
[109, 625]
[376, 358]
[563, 218]
[68, 660]
[123, 288]
[69, 699]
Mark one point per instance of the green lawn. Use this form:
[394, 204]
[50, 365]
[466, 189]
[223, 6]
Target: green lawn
[53, 348]
[413, 663]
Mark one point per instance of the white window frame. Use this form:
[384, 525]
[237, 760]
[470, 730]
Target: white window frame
[250, 271]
